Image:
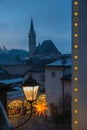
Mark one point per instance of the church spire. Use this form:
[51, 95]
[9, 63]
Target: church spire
[32, 39]
[31, 26]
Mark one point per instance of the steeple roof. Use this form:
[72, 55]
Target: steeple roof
[31, 26]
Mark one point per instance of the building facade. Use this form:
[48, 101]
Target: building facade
[57, 81]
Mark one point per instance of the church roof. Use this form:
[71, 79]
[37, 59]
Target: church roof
[47, 48]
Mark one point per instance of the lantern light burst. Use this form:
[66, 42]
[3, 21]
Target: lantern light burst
[40, 107]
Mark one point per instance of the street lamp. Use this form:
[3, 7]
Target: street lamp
[30, 88]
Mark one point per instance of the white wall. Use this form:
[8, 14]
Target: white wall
[54, 86]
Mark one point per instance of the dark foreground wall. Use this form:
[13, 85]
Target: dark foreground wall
[81, 123]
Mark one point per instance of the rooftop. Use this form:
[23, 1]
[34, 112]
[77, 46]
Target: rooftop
[64, 60]
[47, 48]
[11, 81]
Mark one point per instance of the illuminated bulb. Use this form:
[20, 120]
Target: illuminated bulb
[75, 35]
[76, 89]
[76, 100]
[76, 24]
[75, 57]
[75, 46]
[76, 68]
[76, 2]
[76, 13]
[76, 78]
[76, 111]
[76, 122]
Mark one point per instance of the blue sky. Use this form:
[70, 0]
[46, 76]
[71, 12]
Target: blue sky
[52, 21]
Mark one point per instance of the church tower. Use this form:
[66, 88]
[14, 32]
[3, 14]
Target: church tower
[32, 40]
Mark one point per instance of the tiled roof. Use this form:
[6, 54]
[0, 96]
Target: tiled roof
[11, 81]
[64, 60]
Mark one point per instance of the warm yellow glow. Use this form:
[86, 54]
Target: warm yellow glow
[76, 68]
[75, 100]
[42, 97]
[30, 92]
[14, 107]
[76, 122]
[76, 13]
[75, 46]
[75, 35]
[76, 24]
[76, 78]
[76, 2]
[76, 111]
[75, 30]
[76, 89]
[40, 107]
[75, 57]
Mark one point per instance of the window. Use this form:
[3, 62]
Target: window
[53, 74]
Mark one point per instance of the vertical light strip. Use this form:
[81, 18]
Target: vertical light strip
[75, 44]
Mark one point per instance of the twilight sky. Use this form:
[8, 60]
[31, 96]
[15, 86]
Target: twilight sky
[52, 21]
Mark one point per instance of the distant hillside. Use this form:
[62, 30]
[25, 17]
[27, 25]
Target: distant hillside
[12, 55]
[46, 50]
